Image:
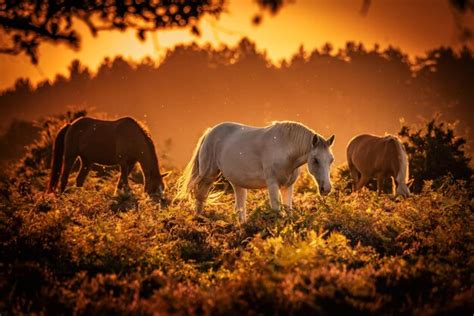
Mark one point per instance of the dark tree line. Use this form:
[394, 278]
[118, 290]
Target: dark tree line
[353, 90]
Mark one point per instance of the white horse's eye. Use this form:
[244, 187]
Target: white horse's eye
[316, 161]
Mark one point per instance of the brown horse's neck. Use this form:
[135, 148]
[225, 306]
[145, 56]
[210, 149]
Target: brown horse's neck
[149, 163]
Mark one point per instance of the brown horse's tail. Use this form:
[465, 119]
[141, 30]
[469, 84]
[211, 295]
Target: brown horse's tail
[57, 162]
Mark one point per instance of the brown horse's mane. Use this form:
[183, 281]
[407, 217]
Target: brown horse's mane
[143, 126]
[149, 141]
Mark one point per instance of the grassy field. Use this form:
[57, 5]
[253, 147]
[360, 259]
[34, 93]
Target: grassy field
[89, 251]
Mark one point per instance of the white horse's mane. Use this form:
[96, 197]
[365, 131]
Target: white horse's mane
[297, 134]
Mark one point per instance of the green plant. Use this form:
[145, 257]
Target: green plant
[434, 151]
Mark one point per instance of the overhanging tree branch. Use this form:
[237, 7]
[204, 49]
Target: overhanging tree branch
[28, 23]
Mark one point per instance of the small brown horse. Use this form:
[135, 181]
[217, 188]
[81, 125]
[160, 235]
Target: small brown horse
[121, 142]
[370, 156]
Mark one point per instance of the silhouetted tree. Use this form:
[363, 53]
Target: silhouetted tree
[13, 141]
[434, 152]
[28, 23]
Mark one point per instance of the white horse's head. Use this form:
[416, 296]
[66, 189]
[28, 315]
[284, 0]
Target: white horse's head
[320, 159]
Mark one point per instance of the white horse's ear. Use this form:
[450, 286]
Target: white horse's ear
[330, 140]
[165, 174]
[316, 140]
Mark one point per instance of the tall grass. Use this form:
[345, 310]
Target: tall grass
[88, 251]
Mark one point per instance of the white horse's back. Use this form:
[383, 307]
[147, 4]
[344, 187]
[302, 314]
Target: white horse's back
[240, 151]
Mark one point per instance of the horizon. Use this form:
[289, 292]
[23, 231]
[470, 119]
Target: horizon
[315, 22]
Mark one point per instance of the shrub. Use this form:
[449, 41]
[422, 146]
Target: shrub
[435, 151]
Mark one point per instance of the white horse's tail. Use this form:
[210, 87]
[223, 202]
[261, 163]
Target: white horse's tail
[191, 177]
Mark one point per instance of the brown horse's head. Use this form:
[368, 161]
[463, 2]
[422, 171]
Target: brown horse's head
[155, 187]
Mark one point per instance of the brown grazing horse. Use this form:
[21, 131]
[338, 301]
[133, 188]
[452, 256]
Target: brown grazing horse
[121, 142]
[370, 156]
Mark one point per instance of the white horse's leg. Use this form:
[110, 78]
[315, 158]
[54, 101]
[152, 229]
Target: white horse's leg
[287, 195]
[240, 199]
[203, 187]
[202, 193]
[274, 193]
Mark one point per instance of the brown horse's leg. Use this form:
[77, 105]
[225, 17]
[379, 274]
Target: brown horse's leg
[130, 169]
[380, 183]
[83, 172]
[362, 181]
[67, 166]
[123, 180]
[355, 174]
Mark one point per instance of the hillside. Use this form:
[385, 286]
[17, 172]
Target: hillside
[88, 251]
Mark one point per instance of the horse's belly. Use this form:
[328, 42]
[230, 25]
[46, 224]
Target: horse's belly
[245, 172]
[103, 153]
[247, 182]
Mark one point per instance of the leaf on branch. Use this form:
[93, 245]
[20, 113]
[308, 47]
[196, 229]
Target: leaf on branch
[141, 34]
[195, 30]
[257, 19]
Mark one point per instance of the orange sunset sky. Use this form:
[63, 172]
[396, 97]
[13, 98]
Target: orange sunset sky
[414, 26]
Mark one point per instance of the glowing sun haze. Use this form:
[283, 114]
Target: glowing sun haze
[414, 26]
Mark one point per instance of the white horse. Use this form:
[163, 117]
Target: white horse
[254, 158]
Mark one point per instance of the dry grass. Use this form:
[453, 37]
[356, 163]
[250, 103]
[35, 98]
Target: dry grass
[88, 251]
